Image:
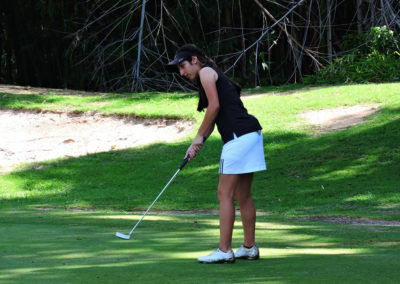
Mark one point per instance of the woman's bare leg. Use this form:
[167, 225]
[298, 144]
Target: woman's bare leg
[247, 208]
[226, 190]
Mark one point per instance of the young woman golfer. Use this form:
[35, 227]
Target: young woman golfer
[242, 153]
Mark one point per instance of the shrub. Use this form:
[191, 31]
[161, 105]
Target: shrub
[374, 57]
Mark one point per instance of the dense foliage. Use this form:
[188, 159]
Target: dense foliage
[375, 57]
[96, 44]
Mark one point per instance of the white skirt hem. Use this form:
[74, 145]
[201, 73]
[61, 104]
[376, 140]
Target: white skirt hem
[244, 154]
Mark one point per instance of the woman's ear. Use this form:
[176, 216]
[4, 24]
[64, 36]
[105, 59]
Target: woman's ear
[194, 59]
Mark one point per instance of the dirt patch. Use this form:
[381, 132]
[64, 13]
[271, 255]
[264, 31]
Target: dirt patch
[194, 212]
[39, 136]
[353, 221]
[157, 212]
[32, 137]
[328, 120]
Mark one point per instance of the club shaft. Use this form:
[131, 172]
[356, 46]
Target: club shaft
[155, 200]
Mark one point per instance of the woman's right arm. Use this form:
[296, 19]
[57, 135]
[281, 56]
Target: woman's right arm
[208, 78]
[209, 131]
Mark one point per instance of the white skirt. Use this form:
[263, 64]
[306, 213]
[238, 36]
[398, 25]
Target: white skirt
[244, 154]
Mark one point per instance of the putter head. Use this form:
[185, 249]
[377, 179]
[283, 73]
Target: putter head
[122, 236]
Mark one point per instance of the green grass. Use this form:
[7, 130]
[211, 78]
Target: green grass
[277, 89]
[350, 172]
[59, 246]
[146, 105]
[353, 173]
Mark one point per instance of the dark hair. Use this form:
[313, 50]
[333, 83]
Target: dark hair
[193, 50]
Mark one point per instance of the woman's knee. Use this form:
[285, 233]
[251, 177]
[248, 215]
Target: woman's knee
[243, 189]
[225, 194]
[243, 199]
[226, 187]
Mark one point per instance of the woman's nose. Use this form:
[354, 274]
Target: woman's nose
[181, 71]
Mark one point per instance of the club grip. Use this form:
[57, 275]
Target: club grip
[184, 162]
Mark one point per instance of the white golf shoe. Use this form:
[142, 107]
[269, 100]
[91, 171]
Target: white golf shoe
[247, 253]
[218, 256]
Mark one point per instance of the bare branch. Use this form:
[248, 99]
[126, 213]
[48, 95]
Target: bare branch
[307, 51]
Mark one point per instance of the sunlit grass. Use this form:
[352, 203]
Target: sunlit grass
[145, 105]
[353, 173]
[308, 173]
[58, 246]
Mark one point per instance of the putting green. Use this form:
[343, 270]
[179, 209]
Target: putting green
[56, 246]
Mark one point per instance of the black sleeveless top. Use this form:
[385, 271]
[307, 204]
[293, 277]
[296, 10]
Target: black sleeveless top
[232, 116]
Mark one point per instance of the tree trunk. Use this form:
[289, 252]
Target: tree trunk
[329, 28]
[228, 13]
[244, 60]
[359, 17]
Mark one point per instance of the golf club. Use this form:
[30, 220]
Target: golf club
[127, 237]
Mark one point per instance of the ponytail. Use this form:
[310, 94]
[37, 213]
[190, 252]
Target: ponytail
[192, 50]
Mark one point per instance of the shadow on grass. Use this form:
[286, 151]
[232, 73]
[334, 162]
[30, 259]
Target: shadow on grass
[352, 169]
[69, 247]
[355, 171]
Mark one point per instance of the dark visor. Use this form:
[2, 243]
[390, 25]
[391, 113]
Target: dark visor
[179, 57]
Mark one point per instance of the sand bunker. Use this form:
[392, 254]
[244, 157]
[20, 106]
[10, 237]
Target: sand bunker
[33, 137]
[333, 119]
